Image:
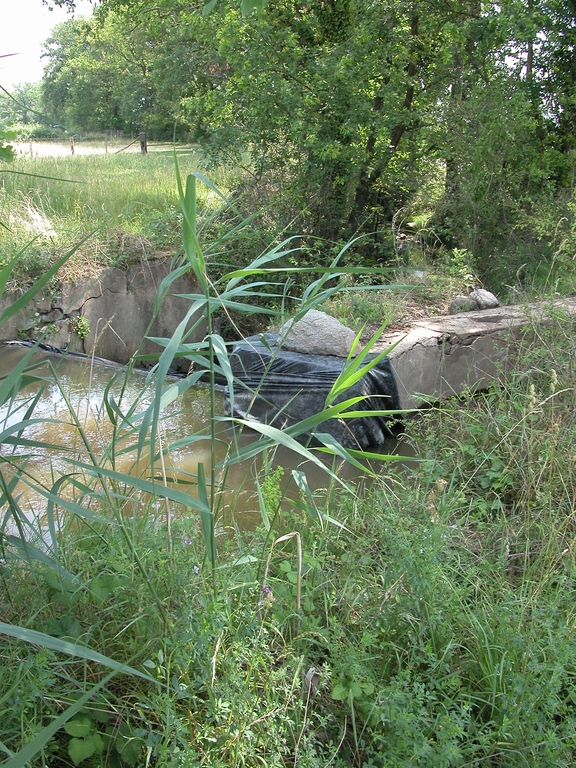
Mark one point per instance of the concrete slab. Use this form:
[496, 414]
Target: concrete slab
[444, 356]
[118, 305]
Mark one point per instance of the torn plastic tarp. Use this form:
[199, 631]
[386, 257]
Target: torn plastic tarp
[281, 388]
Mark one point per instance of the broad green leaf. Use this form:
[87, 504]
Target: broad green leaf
[65, 627]
[277, 252]
[339, 692]
[32, 553]
[102, 587]
[10, 382]
[152, 414]
[42, 176]
[336, 449]
[70, 506]
[59, 583]
[355, 690]
[354, 370]
[81, 749]
[164, 286]
[340, 271]
[5, 749]
[177, 389]
[129, 749]
[20, 425]
[79, 727]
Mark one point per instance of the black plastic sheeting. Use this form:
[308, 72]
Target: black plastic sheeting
[281, 388]
[57, 351]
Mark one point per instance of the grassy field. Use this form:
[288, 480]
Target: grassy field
[121, 207]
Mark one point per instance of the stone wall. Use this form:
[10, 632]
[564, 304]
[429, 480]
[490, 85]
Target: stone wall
[118, 306]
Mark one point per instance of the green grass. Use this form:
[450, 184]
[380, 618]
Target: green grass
[436, 624]
[128, 203]
[428, 621]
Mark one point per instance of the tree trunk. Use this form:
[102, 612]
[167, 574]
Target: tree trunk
[367, 180]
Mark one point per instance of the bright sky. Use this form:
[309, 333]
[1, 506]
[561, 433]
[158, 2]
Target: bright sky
[24, 26]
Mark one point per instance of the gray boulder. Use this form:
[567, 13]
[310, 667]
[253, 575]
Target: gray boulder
[485, 299]
[463, 304]
[317, 334]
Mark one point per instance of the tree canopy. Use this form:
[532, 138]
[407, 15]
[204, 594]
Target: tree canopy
[359, 111]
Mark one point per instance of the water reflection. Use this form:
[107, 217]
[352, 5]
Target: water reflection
[71, 414]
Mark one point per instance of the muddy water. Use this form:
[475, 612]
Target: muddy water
[83, 382]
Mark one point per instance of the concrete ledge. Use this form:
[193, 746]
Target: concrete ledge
[447, 355]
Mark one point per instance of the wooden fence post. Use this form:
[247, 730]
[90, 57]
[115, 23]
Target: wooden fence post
[143, 144]
[72, 144]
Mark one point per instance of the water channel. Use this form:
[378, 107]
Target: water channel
[83, 382]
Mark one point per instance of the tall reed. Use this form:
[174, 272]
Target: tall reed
[95, 494]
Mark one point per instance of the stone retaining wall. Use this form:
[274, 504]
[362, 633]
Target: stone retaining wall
[117, 306]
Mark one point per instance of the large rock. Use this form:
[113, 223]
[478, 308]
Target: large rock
[463, 304]
[317, 334]
[484, 299]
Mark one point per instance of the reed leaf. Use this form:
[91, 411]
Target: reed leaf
[70, 649]
[32, 554]
[271, 437]
[354, 370]
[206, 516]
[140, 484]
[152, 414]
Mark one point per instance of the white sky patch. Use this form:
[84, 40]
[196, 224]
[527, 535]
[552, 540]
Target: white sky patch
[25, 26]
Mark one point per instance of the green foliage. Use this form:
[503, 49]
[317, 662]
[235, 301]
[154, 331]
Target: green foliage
[104, 506]
[23, 105]
[428, 622]
[98, 78]
[92, 734]
[343, 115]
[7, 134]
[361, 306]
[435, 621]
[80, 326]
